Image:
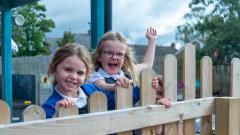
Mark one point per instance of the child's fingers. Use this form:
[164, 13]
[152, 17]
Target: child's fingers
[123, 82]
[164, 101]
[66, 103]
[126, 82]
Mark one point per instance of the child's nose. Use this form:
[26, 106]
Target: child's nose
[114, 56]
[74, 75]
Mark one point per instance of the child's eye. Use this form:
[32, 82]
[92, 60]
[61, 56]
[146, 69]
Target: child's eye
[80, 73]
[120, 55]
[68, 69]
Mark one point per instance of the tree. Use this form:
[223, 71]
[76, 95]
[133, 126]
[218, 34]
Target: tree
[68, 37]
[31, 36]
[217, 24]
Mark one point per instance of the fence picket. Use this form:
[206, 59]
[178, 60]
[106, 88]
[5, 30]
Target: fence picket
[62, 111]
[97, 102]
[235, 78]
[170, 88]
[147, 94]
[33, 112]
[124, 100]
[189, 77]
[206, 91]
[5, 114]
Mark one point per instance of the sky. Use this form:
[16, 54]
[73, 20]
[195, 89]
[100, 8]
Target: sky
[131, 17]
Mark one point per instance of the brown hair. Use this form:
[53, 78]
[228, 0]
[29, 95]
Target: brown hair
[128, 64]
[68, 50]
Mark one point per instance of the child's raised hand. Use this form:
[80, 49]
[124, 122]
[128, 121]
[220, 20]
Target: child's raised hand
[66, 103]
[123, 82]
[165, 101]
[151, 34]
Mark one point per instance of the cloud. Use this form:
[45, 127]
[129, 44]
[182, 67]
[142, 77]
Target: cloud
[131, 17]
[68, 15]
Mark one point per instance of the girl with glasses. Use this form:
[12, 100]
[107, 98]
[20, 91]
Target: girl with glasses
[114, 61]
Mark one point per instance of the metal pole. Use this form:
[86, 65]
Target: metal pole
[6, 52]
[108, 15]
[97, 21]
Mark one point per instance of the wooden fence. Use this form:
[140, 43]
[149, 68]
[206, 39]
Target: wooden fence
[127, 118]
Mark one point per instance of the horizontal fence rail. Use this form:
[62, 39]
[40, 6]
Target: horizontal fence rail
[114, 121]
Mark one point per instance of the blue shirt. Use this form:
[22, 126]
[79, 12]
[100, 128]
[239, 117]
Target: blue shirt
[88, 89]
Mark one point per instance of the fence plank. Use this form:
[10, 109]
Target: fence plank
[62, 111]
[235, 78]
[170, 88]
[33, 112]
[227, 116]
[189, 75]
[206, 91]
[97, 102]
[124, 100]
[148, 94]
[113, 121]
[5, 114]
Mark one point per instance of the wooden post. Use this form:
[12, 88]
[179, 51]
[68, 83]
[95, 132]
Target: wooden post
[189, 77]
[227, 116]
[170, 88]
[206, 91]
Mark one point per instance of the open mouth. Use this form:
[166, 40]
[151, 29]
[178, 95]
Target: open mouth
[112, 65]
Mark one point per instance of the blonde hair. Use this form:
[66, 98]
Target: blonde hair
[68, 50]
[129, 61]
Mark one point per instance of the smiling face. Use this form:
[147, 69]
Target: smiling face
[112, 56]
[69, 75]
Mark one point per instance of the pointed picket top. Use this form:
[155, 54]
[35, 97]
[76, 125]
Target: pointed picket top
[5, 114]
[33, 112]
[97, 102]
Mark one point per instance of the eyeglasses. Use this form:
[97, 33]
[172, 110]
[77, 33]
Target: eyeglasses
[110, 54]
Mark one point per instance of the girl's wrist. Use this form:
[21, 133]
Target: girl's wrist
[152, 41]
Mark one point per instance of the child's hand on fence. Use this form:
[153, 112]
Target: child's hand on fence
[151, 34]
[155, 84]
[66, 103]
[165, 101]
[123, 82]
